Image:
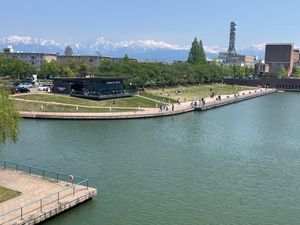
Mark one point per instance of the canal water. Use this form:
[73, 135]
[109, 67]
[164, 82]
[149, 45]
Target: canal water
[239, 164]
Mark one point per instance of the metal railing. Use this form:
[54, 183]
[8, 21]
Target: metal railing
[74, 184]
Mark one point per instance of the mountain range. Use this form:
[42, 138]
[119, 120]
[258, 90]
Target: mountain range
[143, 50]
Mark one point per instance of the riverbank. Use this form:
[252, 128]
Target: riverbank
[168, 110]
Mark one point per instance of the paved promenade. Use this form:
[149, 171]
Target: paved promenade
[214, 102]
[183, 107]
[33, 189]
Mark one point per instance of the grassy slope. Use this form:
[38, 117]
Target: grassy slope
[166, 95]
[6, 194]
[157, 97]
[121, 102]
[196, 92]
[35, 106]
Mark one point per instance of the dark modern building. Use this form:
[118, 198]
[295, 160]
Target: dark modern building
[92, 88]
[278, 55]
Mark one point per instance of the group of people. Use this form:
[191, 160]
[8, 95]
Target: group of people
[200, 103]
[165, 108]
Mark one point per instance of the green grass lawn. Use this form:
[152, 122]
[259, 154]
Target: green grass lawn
[120, 102]
[196, 92]
[41, 107]
[6, 194]
[164, 95]
[157, 97]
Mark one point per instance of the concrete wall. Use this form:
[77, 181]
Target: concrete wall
[282, 84]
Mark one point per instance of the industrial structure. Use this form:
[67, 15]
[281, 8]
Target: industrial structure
[231, 49]
[231, 58]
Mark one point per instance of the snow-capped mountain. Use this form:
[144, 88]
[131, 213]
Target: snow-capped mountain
[256, 50]
[140, 49]
[29, 44]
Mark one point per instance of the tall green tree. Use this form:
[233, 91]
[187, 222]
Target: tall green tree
[9, 117]
[196, 54]
[202, 53]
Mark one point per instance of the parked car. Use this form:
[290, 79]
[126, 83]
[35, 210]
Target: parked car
[43, 88]
[26, 85]
[22, 89]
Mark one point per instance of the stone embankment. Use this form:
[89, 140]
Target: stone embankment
[168, 110]
[218, 101]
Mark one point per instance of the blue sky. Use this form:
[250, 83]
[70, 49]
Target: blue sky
[172, 21]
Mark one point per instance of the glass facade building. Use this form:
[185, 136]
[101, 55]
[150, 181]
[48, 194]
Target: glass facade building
[93, 88]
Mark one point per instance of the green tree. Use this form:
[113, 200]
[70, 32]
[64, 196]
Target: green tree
[126, 58]
[196, 54]
[9, 117]
[282, 73]
[202, 52]
[297, 72]
[67, 71]
[15, 68]
[84, 69]
[50, 68]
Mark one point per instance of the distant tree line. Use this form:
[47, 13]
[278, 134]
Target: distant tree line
[195, 70]
[15, 69]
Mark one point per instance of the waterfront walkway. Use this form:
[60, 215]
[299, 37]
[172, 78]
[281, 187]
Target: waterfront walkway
[168, 110]
[217, 101]
[40, 198]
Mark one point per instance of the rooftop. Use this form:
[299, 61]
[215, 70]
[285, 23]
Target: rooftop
[71, 79]
[280, 44]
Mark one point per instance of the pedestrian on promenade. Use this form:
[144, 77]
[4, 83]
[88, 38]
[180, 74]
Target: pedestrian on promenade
[178, 101]
[200, 103]
[203, 101]
[172, 107]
